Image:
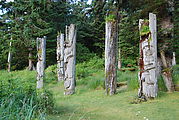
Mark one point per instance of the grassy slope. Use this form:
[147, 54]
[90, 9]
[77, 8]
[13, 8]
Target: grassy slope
[95, 105]
[88, 104]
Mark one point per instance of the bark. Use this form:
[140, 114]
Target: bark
[166, 73]
[41, 49]
[60, 57]
[70, 59]
[173, 59]
[9, 57]
[31, 65]
[148, 59]
[111, 57]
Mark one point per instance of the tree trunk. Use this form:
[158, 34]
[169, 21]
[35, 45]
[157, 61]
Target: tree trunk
[173, 59]
[148, 58]
[166, 73]
[70, 60]
[60, 57]
[111, 39]
[31, 65]
[41, 49]
[9, 57]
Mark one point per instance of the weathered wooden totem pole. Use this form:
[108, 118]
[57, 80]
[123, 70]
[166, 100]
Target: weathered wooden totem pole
[148, 57]
[173, 59]
[41, 52]
[9, 57]
[60, 57]
[70, 59]
[111, 51]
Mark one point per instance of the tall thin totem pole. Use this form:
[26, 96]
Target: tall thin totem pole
[70, 59]
[148, 57]
[60, 57]
[9, 56]
[111, 51]
[41, 52]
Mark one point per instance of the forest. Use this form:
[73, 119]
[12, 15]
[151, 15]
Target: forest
[89, 59]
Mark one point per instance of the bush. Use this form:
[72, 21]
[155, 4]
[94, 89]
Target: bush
[51, 74]
[91, 73]
[127, 61]
[87, 68]
[176, 74]
[19, 98]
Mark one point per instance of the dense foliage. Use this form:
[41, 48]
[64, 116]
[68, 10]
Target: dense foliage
[23, 21]
[19, 98]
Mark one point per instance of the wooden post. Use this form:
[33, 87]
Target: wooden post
[173, 59]
[31, 65]
[148, 57]
[9, 57]
[119, 59]
[70, 60]
[111, 38]
[60, 57]
[41, 52]
[166, 73]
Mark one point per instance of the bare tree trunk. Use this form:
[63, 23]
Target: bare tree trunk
[173, 59]
[41, 49]
[111, 39]
[9, 57]
[166, 73]
[60, 57]
[148, 58]
[70, 60]
[31, 65]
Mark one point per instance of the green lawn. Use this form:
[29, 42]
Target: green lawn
[95, 105]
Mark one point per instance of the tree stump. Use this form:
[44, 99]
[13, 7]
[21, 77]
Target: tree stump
[70, 59]
[60, 57]
[41, 53]
[111, 56]
[148, 57]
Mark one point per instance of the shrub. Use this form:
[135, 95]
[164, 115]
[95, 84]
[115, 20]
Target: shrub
[51, 74]
[176, 74]
[87, 68]
[19, 98]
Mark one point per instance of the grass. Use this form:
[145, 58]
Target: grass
[90, 102]
[19, 99]
[95, 105]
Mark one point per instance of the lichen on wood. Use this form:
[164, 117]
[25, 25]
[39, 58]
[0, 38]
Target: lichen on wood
[70, 60]
[111, 57]
[60, 57]
[148, 58]
[41, 53]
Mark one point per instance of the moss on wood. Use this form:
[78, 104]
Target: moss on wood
[110, 18]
